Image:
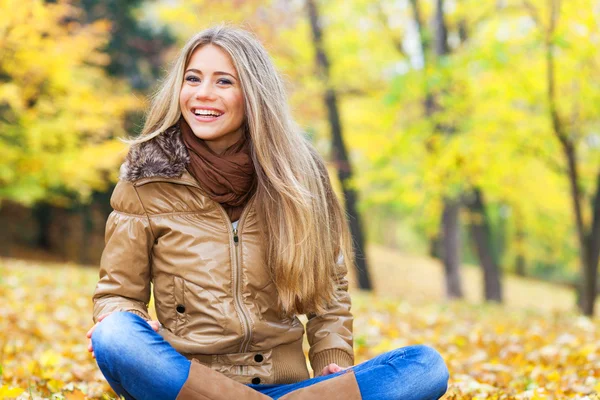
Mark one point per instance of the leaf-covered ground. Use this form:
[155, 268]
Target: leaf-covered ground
[492, 353]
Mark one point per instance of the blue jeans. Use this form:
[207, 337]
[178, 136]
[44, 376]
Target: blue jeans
[139, 364]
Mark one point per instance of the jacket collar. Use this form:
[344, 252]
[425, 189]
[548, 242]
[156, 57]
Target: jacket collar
[164, 156]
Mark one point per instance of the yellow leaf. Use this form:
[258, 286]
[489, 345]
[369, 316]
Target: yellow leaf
[49, 358]
[54, 385]
[7, 393]
[554, 376]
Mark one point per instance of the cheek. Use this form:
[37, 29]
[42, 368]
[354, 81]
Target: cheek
[238, 101]
[184, 95]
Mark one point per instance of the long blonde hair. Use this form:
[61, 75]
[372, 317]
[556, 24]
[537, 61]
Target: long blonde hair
[308, 244]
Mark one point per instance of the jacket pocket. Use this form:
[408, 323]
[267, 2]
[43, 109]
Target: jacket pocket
[197, 315]
[179, 292]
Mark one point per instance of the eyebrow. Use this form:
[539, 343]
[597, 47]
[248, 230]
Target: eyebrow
[216, 72]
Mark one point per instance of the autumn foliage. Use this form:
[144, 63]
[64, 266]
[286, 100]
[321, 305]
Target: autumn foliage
[492, 352]
[60, 114]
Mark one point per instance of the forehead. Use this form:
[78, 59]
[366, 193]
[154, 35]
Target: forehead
[210, 58]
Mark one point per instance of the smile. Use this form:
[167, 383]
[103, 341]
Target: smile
[205, 113]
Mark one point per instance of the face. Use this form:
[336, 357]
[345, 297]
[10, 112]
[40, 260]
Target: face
[211, 98]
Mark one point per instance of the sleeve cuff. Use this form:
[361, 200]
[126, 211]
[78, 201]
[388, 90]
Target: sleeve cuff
[326, 357]
[141, 314]
[131, 310]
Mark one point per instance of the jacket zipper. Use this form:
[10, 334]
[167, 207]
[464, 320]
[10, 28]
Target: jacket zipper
[237, 292]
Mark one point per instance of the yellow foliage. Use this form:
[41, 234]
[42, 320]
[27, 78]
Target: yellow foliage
[492, 352]
[59, 104]
[7, 393]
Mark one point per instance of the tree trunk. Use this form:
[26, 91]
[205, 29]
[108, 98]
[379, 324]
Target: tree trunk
[422, 37]
[434, 250]
[590, 254]
[441, 31]
[480, 232]
[450, 217]
[593, 241]
[42, 213]
[449, 224]
[520, 268]
[451, 246]
[587, 250]
[340, 154]
[520, 265]
[87, 225]
[589, 270]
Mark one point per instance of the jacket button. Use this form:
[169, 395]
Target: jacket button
[180, 308]
[256, 380]
[258, 358]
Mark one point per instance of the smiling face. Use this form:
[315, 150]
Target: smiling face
[211, 98]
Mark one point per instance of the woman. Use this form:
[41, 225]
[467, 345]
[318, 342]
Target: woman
[228, 211]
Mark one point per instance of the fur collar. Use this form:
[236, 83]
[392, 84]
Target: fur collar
[163, 156]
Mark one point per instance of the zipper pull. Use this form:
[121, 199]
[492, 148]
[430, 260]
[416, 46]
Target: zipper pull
[235, 236]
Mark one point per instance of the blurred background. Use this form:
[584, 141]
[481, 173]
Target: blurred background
[464, 135]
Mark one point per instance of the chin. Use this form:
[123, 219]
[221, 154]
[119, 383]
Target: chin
[205, 134]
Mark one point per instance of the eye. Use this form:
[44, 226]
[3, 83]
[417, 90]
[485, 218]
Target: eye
[224, 81]
[192, 78]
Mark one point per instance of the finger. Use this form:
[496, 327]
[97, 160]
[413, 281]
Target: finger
[90, 348]
[89, 333]
[100, 318]
[333, 368]
[93, 355]
[154, 324]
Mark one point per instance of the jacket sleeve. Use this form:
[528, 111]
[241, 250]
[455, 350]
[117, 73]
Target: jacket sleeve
[124, 283]
[330, 334]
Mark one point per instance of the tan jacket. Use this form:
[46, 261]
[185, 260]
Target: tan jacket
[213, 295]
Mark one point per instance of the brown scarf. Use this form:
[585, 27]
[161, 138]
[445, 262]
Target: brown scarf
[228, 178]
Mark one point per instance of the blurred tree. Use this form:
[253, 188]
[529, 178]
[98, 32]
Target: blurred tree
[500, 152]
[442, 82]
[340, 154]
[57, 106]
[570, 124]
[136, 48]
[509, 158]
[450, 238]
[479, 226]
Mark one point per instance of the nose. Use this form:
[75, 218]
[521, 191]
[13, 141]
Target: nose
[204, 91]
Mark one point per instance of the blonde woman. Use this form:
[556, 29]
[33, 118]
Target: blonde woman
[226, 209]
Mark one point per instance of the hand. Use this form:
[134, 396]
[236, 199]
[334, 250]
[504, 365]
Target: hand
[155, 325]
[331, 369]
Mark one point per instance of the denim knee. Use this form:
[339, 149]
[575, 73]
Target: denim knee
[109, 335]
[435, 367]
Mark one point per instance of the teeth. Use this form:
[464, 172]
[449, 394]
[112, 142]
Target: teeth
[207, 113]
